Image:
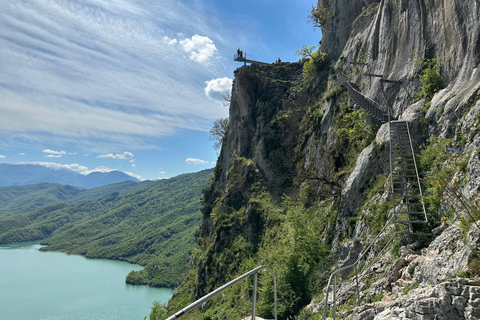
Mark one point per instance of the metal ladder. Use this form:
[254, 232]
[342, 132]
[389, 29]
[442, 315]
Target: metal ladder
[407, 197]
[373, 108]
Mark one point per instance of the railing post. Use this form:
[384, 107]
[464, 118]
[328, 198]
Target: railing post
[334, 294]
[254, 298]
[358, 290]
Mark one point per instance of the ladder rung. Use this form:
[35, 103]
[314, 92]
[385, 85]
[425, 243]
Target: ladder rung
[409, 212]
[410, 221]
[403, 189]
[416, 233]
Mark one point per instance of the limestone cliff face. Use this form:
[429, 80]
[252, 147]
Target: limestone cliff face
[388, 35]
[385, 38]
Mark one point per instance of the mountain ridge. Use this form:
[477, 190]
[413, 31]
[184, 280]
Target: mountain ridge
[24, 174]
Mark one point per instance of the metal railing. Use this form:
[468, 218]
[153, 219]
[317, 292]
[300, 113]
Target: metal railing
[354, 265]
[212, 294]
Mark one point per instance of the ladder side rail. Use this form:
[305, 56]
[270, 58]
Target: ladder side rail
[416, 171]
[391, 175]
[212, 294]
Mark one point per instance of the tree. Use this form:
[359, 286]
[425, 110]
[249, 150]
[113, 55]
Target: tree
[318, 16]
[226, 99]
[159, 311]
[305, 52]
[218, 131]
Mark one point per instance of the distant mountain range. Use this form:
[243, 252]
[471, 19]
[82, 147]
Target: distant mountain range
[23, 174]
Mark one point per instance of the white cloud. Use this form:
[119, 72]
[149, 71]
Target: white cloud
[161, 172]
[133, 160]
[133, 165]
[73, 167]
[53, 152]
[170, 41]
[2, 156]
[217, 88]
[201, 49]
[123, 156]
[134, 175]
[22, 154]
[101, 169]
[54, 156]
[100, 73]
[195, 161]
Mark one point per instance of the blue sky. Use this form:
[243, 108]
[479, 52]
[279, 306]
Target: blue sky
[131, 85]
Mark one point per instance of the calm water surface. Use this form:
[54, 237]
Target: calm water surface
[38, 285]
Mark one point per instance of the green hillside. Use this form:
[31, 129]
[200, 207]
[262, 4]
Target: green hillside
[153, 226]
[20, 199]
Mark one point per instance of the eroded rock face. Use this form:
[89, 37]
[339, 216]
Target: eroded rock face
[446, 254]
[451, 300]
[337, 28]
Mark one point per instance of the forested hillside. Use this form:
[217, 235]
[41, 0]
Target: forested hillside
[21, 199]
[152, 226]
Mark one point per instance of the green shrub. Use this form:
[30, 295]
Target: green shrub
[430, 78]
[318, 62]
[410, 287]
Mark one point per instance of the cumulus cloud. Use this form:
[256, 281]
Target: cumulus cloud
[201, 49]
[22, 154]
[123, 156]
[170, 41]
[2, 156]
[54, 153]
[217, 88]
[195, 161]
[54, 156]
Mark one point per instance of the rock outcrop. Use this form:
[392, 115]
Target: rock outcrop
[451, 300]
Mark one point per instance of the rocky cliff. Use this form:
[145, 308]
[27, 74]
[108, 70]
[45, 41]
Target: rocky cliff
[302, 181]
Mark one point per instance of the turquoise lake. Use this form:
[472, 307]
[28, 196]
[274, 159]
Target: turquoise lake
[38, 285]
